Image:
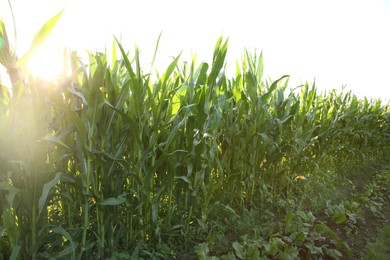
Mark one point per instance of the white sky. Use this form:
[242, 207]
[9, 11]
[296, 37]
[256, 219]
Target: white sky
[336, 42]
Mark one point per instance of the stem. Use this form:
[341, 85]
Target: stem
[85, 207]
[34, 231]
[13, 19]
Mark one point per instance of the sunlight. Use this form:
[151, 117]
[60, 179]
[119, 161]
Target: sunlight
[46, 63]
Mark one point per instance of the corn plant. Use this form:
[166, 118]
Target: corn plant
[28, 177]
[114, 160]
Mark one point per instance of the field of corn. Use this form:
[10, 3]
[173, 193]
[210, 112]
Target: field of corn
[118, 162]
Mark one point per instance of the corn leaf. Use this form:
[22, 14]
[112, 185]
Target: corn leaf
[72, 247]
[15, 252]
[7, 186]
[113, 201]
[39, 38]
[45, 191]
[55, 139]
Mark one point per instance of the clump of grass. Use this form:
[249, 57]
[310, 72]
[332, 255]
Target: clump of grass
[380, 249]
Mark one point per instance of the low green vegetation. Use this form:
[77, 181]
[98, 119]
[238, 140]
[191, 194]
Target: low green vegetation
[380, 249]
[114, 162]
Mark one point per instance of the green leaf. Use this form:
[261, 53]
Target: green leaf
[169, 70]
[273, 86]
[324, 229]
[260, 67]
[66, 251]
[113, 201]
[218, 60]
[202, 250]
[7, 186]
[72, 90]
[7, 55]
[339, 218]
[78, 123]
[2, 42]
[55, 139]
[156, 48]
[133, 125]
[174, 131]
[314, 250]
[39, 38]
[238, 249]
[333, 253]
[2, 230]
[45, 191]
[72, 248]
[253, 252]
[113, 54]
[229, 256]
[201, 74]
[184, 178]
[126, 59]
[15, 252]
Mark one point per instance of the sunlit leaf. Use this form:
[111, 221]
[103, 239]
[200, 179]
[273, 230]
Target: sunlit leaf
[55, 139]
[39, 38]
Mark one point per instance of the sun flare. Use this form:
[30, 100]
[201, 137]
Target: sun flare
[47, 63]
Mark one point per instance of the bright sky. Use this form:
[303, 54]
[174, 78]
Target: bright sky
[335, 42]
